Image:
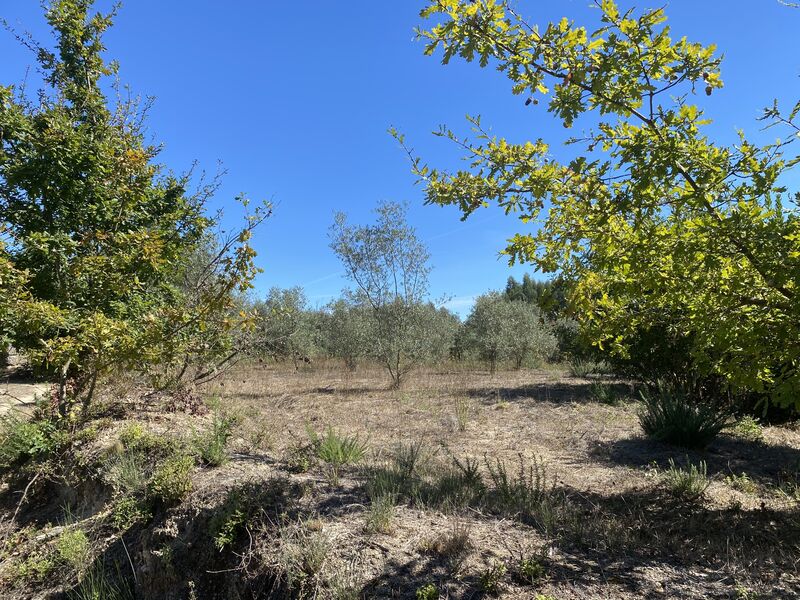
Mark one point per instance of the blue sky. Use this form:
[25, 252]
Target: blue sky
[295, 101]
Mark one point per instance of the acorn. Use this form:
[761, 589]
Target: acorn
[705, 76]
[709, 89]
[528, 101]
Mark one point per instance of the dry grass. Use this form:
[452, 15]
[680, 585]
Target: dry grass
[614, 531]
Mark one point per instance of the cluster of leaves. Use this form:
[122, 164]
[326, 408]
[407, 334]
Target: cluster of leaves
[655, 224]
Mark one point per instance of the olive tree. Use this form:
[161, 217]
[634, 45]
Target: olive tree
[346, 331]
[389, 266]
[285, 327]
[501, 329]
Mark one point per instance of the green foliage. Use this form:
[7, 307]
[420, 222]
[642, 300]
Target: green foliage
[73, 549]
[212, 444]
[655, 226]
[687, 484]
[128, 511]
[347, 331]
[604, 393]
[742, 482]
[99, 584]
[286, 329]
[171, 480]
[582, 367]
[521, 493]
[23, 439]
[500, 329]
[530, 569]
[748, 428]
[337, 450]
[429, 591]
[98, 234]
[670, 414]
[491, 580]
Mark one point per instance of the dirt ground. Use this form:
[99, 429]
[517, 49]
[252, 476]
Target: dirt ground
[634, 540]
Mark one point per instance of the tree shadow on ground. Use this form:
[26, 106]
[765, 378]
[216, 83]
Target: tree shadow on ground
[579, 391]
[726, 455]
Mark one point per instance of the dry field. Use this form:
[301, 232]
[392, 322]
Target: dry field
[617, 531]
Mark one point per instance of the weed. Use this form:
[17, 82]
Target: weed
[337, 450]
[302, 556]
[72, 549]
[604, 394]
[529, 569]
[453, 547]
[37, 567]
[743, 483]
[211, 445]
[462, 410]
[522, 493]
[300, 458]
[127, 473]
[748, 428]
[688, 484]
[491, 580]
[429, 591]
[580, 367]
[380, 514]
[97, 584]
[171, 481]
[670, 415]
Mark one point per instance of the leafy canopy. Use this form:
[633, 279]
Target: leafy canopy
[651, 217]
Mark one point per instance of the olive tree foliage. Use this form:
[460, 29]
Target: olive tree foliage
[651, 218]
[389, 266]
[500, 329]
[347, 331]
[100, 244]
[285, 327]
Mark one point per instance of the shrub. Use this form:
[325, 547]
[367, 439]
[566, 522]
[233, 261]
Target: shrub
[22, 439]
[128, 511]
[73, 549]
[670, 415]
[171, 481]
[582, 367]
[687, 484]
[748, 428]
[212, 444]
[338, 450]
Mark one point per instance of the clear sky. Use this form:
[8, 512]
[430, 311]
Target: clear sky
[295, 100]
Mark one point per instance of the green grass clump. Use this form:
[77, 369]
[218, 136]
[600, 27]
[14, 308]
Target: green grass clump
[687, 483]
[670, 415]
[337, 450]
[23, 439]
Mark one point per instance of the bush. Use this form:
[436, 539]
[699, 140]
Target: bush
[670, 415]
[427, 592]
[491, 579]
[687, 484]
[748, 428]
[212, 444]
[171, 481]
[73, 549]
[22, 439]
